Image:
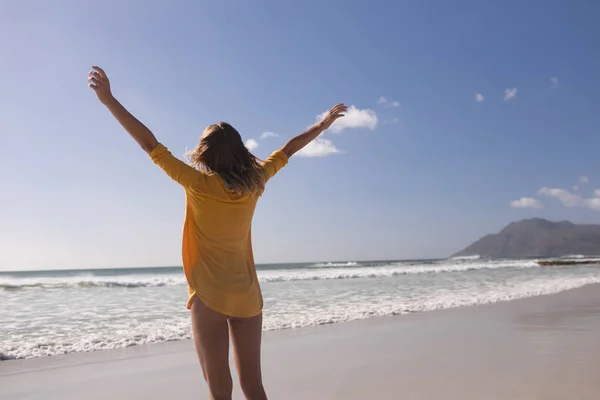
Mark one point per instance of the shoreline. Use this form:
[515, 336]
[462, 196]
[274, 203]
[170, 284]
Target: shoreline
[537, 346]
[368, 320]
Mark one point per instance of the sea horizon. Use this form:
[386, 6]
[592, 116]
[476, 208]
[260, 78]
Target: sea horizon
[258, 265]
[266, 265]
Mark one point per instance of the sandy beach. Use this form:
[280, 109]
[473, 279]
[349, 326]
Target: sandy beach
[546, 347]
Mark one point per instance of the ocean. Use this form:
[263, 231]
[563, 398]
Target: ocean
[45, 313]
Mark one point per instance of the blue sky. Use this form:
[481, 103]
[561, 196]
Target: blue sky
[432, 174]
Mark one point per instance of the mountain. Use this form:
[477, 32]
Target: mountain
[538, 238]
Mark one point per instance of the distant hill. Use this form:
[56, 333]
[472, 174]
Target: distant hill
[538, 238]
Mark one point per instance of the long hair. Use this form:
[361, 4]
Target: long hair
[221, 151]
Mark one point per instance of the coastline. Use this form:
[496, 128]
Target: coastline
[540, 347]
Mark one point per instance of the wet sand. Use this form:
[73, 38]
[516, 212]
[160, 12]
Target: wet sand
[546, 348]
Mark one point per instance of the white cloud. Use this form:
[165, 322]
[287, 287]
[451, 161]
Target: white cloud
[583, 180]
[388, 103]
[564, 196]
[479, 97]
[354, 118]
[527, 202]
[593, 203]
[251, 144]
[567, 198]
[266, 135]
[554, 82]
[319, 148]
[510, 93]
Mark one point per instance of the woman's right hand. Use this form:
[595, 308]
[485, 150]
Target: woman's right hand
[332, 115]
[98, 81]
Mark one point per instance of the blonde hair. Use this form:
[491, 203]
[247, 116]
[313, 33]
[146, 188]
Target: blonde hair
[221, 151]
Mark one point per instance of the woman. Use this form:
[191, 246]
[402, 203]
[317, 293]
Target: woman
[222, 186]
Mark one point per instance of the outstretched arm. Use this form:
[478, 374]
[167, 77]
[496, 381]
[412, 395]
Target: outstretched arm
[180, 172]
[143, 136]
[299, 142]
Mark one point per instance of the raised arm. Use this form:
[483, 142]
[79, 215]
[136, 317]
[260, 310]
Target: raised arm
[297, 143]
[143, 136]
[179, 171]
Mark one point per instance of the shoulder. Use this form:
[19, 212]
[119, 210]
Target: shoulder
[158, 151]
[278, 157]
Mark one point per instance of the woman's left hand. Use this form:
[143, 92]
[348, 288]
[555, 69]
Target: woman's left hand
[332, 115]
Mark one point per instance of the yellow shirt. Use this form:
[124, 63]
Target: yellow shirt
[217, 245]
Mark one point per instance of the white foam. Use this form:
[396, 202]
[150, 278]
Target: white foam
[466, 258]
[98, 339]
[337, 264]
[574, 256]
[89, 280]
[283, 275]
[440, 300]
[128, 327]
[347, 270]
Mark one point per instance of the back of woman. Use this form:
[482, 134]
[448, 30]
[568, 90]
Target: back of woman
[223, 183]
[222, 190]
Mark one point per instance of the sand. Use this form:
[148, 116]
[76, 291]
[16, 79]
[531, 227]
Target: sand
[542, 348]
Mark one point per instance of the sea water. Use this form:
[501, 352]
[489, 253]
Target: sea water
[45, 313]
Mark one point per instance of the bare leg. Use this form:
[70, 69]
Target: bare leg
[212, 345]
[246, 334]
